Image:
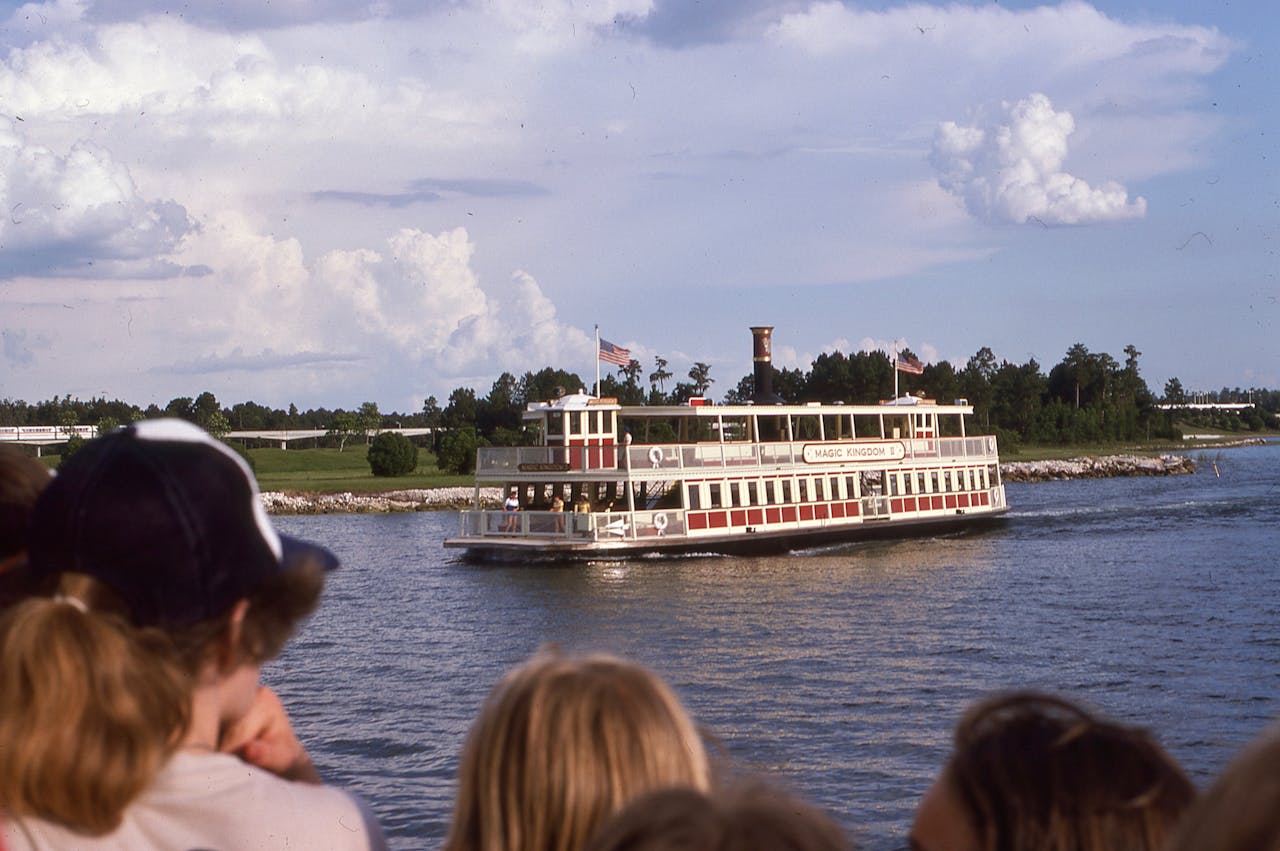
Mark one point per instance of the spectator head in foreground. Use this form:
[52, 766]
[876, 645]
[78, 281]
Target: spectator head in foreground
[172, 588]
[1241, 810]
[739, 819]
[561, 744]
[1031, 771]
[22, 478]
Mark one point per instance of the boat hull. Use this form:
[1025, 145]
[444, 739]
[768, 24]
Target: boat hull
[761, 542]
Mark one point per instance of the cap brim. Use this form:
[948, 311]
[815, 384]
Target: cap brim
[294, 551]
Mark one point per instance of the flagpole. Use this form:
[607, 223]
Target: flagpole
[597, 361]
[895, 376]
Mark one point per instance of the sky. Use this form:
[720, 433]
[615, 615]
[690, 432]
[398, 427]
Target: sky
[331, 202]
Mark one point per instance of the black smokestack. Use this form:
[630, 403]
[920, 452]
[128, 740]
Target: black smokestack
[763, 362]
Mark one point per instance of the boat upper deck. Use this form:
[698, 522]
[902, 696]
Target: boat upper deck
[660, 460]
[586, 436]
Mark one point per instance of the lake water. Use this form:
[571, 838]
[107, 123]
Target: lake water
[839, 671]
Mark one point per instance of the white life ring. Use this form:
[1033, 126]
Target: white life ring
[660, 523]
[655, 456]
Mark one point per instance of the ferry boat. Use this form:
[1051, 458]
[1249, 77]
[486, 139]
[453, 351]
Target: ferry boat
[609, 480]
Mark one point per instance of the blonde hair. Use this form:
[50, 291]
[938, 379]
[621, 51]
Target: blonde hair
[561, 744]
[91, 707]
[1241, 810]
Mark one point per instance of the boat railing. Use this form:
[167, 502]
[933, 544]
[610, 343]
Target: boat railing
[498, 462]
[571, 526]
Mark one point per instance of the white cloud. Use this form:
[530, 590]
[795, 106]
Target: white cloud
[1010, 170]
[80, 213]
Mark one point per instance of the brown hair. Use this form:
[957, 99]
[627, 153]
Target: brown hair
[1241, 810]
[91, 707]
[22, 478]
[561, 744]
[740, 819]
[1034, 771]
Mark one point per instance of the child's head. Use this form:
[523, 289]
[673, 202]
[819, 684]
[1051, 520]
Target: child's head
[167, 573]
[562, 743]
[1031, 771]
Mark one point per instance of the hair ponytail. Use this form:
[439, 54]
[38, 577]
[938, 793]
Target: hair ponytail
[90, 709]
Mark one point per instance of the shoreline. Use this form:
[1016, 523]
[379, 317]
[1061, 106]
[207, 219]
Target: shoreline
[452, 499]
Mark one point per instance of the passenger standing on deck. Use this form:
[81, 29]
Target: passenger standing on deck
[561, 744]
[582, 508]
[511, 506]
[173, 589]
[557, 505]
[1031, 771]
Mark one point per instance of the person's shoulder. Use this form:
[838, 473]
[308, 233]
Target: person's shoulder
[256, 802]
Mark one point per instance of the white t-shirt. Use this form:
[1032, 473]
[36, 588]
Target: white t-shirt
[220, 803]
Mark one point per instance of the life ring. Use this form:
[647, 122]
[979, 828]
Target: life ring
[660, 523]
[655, 456]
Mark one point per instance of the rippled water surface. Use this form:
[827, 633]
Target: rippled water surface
[840, 670]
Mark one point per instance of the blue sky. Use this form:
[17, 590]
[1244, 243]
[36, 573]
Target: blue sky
[328, 203]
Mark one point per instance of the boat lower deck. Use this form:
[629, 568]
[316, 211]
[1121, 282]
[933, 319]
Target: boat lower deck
[560, 548]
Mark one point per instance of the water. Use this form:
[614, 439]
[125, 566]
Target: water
[838, 671]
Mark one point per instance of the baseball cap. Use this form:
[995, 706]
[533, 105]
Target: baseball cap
[168, 518]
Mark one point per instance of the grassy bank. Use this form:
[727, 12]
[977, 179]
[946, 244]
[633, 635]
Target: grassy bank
[331, 471]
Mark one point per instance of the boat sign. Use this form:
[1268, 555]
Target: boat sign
[880, 450]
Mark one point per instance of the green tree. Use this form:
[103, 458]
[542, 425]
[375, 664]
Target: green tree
[344, 426]
[1173, 392]
[68, 419]
[392, 454]
[461, 410]
[204, 409]
[183, 407]
[106, 425]
[370, 419]
[458, 451]
[658, 378]
[700, 375]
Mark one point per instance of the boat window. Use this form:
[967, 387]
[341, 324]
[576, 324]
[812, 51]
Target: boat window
[786, 490]
[695, 495]
[753, 493]
[555, 423]
[715, 500]
[576, 426]
[610, 422]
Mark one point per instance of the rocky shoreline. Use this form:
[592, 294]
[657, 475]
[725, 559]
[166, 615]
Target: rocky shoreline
[445, 499]
[1101, 467]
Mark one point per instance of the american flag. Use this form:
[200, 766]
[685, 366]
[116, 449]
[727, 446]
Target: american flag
[909, 364]
[614, 354]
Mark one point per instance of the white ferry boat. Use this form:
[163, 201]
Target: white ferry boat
[610, 480]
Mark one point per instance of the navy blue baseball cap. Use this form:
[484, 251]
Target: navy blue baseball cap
[168, 518]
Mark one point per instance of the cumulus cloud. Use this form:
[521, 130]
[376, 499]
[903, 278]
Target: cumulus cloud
[410, 311]
[80, 213]
[1010, 170]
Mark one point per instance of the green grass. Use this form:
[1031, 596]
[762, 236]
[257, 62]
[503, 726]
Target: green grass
[331, 471]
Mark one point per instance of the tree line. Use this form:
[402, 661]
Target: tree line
[1088, 397]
